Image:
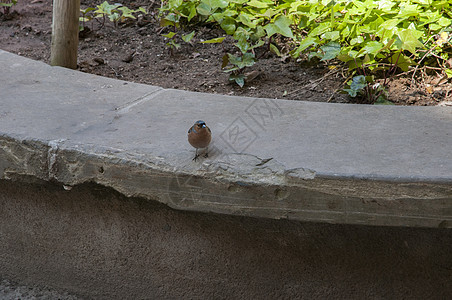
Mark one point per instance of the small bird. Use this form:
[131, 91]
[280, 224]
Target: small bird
[199, 136]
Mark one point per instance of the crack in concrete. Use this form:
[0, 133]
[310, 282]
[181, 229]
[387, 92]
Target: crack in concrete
[149, 96]
[54, 146]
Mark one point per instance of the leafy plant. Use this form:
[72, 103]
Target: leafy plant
[172, 44]
[367, 88]
[6, 5]
[114, 12]
[376, 38]
[86, 17]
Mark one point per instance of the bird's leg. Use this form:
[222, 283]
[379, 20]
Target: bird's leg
[196, 155]
[207, 152]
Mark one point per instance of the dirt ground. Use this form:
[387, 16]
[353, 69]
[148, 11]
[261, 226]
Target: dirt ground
[137, 52]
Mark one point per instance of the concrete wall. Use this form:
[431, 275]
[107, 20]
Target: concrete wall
[96, 243]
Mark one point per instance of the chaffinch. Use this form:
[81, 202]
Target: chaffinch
[199, 136]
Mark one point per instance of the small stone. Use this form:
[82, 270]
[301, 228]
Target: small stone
[128, 58]
[99, 60]
[27, 28]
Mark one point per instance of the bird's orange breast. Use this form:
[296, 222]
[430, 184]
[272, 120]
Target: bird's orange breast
[201, 138]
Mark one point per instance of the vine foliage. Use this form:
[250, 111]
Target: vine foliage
[373, 39]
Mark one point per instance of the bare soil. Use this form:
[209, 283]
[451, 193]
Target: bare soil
[137, 52]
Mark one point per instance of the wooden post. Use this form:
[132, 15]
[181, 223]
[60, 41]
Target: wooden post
[65, 30]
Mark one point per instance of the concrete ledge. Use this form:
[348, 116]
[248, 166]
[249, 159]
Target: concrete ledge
[335, 163]
[94, 243]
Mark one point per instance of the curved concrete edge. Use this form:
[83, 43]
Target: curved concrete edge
[235, 191]
[296, 160]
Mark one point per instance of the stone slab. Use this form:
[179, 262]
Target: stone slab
[337, 163]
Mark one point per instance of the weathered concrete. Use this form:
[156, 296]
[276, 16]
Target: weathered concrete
[14, 291]
[97, 244]
[334, 163]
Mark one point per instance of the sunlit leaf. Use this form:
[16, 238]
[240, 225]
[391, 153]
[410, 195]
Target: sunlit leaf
[257, 4]
[331, 35]
[187, 37]
[372, 47]
[409, 40]
[169, 35]
[281, 25]
[214, 40]
[448, 73]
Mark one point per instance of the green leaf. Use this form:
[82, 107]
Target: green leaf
[169, 35]
[105, 8]
[207, 7]
[409, 40]
[214, 40]
[127, 12]
[142, 9]
[372, 47]
[246, 20]
[382, 101]
[322, 28]
[225, 61]
[357, 40]
[390, 24]
[192, 13]
[173, 44]
[269, 13]
[281, 25]
[238, 78]
[434, 27]
[357, 85]
[444, 22]
[247, 60]
[187, 37]
[258, 44]
[216, 3]
[275, 49]
[83, 11]
[386, 5]
[403, 62]
[258, 33]
[114, 17]
[169, 20]
[408, 10]
[228, 25]
[307, 42]
[330, 50]
[448, 73]
[258, 4]
[204, 9]
[331, 35]
[344, 57]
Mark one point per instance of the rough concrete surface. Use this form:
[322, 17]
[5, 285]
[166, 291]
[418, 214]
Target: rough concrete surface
[66, 136]
[94, 243]
[14, 291]
[357, 164]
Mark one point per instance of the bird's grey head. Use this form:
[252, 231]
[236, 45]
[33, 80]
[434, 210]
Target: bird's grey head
[201, 123]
